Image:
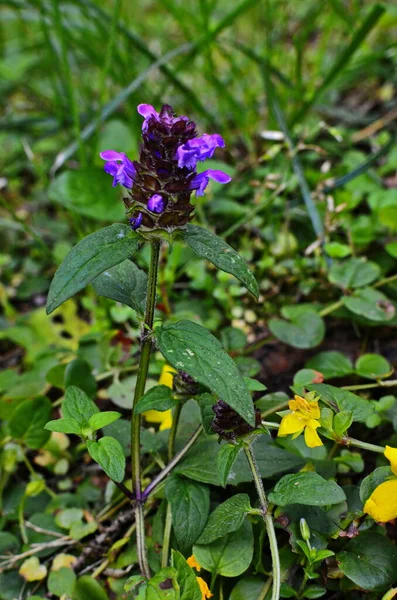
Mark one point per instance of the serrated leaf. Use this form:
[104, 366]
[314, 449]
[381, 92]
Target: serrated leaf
[64, 426]
[189, 347]
[190, 505]
[79, 373]
[227, 517]
[208, 245]
[125, 283]
[306, 488]
[102, 419]
[108, 453]
[88, 259]
[159, 397]
[78, 406]
[225, 460]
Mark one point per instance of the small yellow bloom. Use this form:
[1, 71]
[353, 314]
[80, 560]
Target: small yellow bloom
[303, 417]
[165, 417]
[382, 503]
[192, 562]
[391, 455]
[205, 590]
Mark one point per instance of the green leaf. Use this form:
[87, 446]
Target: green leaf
[79, 373]
[248, 588]
[190, 506]
[159, 397]
[9, 543]
[28, 421]
[343, 400]
[371, 482]
[314, 591]
[125, 283]
[208, 245]
[227, 517]
[306, 488]
[121, 431]
[79, 530]
[370, 561]
[225, 460]
[102, 419]
[78, 406]
[88, 259]
[87, 192]
[373, 366]
[342, 422]
[331, 364]
[108, 453]
[371, 304]
[354, 273]
[303, 331]
[88, 588]
[163, 586]
[337, 250]
[189, 588]
[62, 582]
[206, 401]
[189, 347]
[67, 517]
[230, 555]
[64, 426]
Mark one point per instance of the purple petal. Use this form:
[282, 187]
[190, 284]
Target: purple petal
[200, 181]
[147, 111]
[198, 149]
[136, 222]
[218, 176]
[156, 203]
[111, 155]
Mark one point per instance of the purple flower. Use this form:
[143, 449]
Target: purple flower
[156, 204]
[119, 166]
[148, 111]
[198, 148]
[200, 181]
[136, 222]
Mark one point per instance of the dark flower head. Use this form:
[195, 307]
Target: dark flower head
[161, 182]
[228, 424]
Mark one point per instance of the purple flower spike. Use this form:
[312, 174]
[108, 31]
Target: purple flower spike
[200, 181]
[136, 222]
[147, 111]
[199, 148]
[156, 204]
[119, 166]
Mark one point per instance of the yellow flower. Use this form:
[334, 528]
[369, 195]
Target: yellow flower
[192, 562]
[303, 417]
[205, 590]
[165, 417]
[382, 503]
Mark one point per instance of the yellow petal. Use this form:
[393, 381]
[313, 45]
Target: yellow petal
[298, 403]
[291, 423]
[167, 376]
[192, 562]
[391, 455]
[312, 439]
[156, 416]
[314, 410]
[205, 590]
[382, 503]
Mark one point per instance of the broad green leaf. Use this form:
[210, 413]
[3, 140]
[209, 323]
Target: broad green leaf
[79, 373]
[304, 331]
[314, 591]
[371, 482]
[32, 570]
[62, 582]
[108, 453]
[87, 192]
[306, 488]
[353, 273]
[233, 339]
[64, 426]
[9, 543]
[337, 250]
[163, 586]
[79, 530]
[102, 419]
[121, 431]
[248, 588]
[190, 505]
[371, 304]
[373, 366]
[370, 561]
[187, 581]
[88, 259]
[28, 422]
[206, 401]
[124, 283]
[227, 517]
[342, 422]
[331, 364]
[208, 245]
[78, 406]
[230, 555]
[189, 347]
[159, 397]
[343, 400]
[225, 460]
[88, 588]
[67, 517]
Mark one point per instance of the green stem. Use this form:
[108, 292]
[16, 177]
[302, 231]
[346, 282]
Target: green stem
[368, 386]
[265, 589]
[268, 522]
[331, 308]
[168, 517]
[146, 346]
[348, 441]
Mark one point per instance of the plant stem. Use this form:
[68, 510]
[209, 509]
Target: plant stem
[368, 386]
[146, 346]
[163, 474]
[331, 308]
[268, 522]
[266, 588]
[348, 441]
